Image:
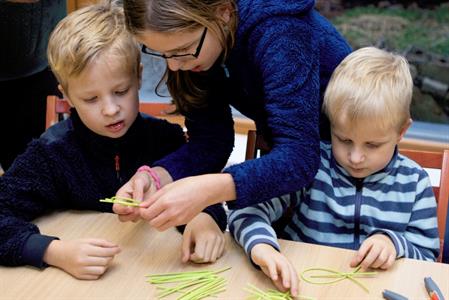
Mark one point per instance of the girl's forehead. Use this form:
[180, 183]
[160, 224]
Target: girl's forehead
[166, 41]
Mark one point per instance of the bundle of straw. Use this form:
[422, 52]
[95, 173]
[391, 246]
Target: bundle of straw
[258, 294]
[192, 285]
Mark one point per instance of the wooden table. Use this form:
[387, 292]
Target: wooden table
[146, 251]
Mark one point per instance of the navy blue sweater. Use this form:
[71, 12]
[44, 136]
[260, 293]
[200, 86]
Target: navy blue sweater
[71, 167]
[284, 55]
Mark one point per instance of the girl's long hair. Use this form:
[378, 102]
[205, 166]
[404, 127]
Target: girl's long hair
[175, 16]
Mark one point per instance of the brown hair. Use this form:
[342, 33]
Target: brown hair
[175, 16]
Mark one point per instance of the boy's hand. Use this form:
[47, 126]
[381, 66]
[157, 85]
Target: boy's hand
[86, 259]
[138, 187]
[126, 213]
[202, 241]
[277, 267]
[377, 251]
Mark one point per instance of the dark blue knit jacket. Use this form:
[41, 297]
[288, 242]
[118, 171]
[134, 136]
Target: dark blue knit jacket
[71, 167]
[284, 55]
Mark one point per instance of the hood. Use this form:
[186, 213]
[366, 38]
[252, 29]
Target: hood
[252, 12]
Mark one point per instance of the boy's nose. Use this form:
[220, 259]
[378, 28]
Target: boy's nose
[356, 157]
[110, 108]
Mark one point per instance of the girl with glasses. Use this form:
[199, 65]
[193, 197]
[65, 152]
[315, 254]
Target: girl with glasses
[269, 59]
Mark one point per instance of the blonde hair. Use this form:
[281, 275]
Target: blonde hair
[370, 84]
[175, 16]
[88, 33]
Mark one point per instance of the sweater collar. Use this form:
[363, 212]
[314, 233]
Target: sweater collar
[379, 175]
[106, 146]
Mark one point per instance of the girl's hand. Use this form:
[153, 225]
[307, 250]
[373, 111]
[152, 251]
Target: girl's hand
[202, 241]
[277, 267]
[179, 202]
[84, 258]
[377, 251]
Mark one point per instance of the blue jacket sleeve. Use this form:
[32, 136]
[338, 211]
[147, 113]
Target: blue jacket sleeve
[289, 66]
[252, 225]
[24, 193]
[210, 141]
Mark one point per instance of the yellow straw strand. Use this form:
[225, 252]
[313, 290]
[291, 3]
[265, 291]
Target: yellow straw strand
[336, 276]
[122, 201]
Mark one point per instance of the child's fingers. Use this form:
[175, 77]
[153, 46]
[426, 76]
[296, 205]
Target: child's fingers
[284, 270]
[390, 261]
[199, 251]
[140, 184]
[94, 270]
[98, 261]
[215, 251]
[103, 252]
[208, 249]
[294, 288]
[272, 269]
[102, 243]
[370, 257]
[381, 259]
[222, 247]
[152, 212]
[87, 276]
[186, 246]
[361, 253]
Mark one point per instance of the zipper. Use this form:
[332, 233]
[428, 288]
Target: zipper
[358, 204]
[226, 71]
[117, 166]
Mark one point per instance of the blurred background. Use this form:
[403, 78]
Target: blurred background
[419, 30]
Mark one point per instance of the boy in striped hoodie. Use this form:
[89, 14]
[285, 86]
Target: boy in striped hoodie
[365, 196]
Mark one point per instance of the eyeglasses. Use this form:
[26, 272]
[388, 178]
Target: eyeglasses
[179, 56]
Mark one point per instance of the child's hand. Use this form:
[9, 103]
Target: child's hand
[126, 213]
[277, 267]
[84, 258]
[377, 251]
[202, 240]
[138, 187]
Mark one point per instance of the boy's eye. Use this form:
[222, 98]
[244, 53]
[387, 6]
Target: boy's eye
[345, 141]
[122, 92]
[90, 100]
[373, 146]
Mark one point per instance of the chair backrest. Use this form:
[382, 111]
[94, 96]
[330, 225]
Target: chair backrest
[257, 146]
[57, 108]
[436, 160]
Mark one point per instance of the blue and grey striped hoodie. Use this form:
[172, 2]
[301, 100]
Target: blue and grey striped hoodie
[341, 211]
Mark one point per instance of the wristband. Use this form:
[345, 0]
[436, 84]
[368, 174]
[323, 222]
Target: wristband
[153, 175]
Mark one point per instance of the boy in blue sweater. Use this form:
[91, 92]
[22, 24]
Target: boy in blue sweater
[365, 195]
[89, 156]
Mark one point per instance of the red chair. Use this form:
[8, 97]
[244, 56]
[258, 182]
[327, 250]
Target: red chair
[257, 146]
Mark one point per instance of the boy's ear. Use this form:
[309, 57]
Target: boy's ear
[64, 94]
[404, 129]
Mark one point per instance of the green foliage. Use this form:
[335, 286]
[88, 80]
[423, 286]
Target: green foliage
[397, 28]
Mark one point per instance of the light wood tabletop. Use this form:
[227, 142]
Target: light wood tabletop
[147, 251]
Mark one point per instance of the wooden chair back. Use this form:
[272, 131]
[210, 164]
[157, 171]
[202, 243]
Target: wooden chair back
[257, 146]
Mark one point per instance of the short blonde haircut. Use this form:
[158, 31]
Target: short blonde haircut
[370, 84]
[88, 33]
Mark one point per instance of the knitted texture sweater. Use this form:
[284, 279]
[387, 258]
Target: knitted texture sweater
[25, 29]
[71, 167]
[276, 74]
